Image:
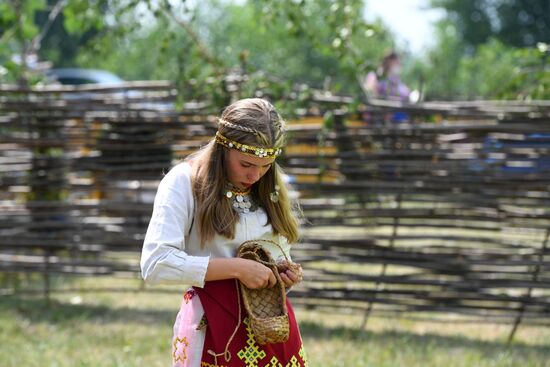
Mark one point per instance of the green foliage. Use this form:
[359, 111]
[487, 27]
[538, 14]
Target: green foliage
[493, 70]
[469, 18]
[334, 36]
[524, 22]
[81, 15]
[518, 23]
[323, 43]
[438, 69]
[27, 25]
[279, 44]
[17, 27]
[489, 49]
[286, 43]
[71, 29]
[530, 78]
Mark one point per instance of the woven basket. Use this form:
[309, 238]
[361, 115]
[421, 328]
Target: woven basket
[266, 307]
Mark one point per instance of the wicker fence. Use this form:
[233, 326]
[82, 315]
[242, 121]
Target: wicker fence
[439, 207]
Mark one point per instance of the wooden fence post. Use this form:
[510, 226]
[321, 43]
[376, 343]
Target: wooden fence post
[46, 276]
[536, 272]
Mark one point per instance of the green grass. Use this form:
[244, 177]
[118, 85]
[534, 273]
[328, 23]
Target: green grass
[134, 329]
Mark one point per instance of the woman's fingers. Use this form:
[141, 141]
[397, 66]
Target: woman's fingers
[292, 277]
[267, 278]
[258, 276]
[288, 282]
[272, 279]
[255, 275]
[282, 265]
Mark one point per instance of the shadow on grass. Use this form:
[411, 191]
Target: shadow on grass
[39, 310]
[490, 349]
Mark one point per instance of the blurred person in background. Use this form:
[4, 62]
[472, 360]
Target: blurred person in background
[386, 82]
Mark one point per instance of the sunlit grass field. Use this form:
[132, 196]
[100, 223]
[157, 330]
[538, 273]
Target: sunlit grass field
[89, 328]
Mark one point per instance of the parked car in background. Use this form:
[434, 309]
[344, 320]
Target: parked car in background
[77, 76]
[137, 97]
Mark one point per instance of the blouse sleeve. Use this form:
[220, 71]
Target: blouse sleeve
[163, 258]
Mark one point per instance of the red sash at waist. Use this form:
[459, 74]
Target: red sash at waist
[221, 308]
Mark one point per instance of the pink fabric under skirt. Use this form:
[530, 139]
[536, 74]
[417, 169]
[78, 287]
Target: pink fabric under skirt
[188, 339]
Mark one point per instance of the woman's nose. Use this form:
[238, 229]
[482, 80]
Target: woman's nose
[254, 174]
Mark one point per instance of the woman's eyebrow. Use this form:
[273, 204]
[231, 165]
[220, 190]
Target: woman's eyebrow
[252, 164]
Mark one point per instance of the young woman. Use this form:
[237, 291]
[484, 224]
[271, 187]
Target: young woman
[229, 192]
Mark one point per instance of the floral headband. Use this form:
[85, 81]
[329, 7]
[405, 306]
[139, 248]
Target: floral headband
[248, 149]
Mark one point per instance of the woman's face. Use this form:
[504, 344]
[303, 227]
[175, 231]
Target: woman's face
[394, 67]
[244, 170]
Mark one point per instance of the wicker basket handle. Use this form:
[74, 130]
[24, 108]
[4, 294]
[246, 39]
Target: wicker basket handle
[269, 241]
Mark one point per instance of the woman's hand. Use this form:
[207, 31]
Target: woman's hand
[291, 273]
[255, 275]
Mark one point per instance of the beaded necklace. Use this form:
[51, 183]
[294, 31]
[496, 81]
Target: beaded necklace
[241, 200]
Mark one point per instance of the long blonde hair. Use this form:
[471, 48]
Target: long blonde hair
[255, 122]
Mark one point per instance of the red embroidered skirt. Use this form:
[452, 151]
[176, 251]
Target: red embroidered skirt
[216, 326]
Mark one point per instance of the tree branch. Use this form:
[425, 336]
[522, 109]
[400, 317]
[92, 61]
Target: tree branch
[201, 47]
[36, 42]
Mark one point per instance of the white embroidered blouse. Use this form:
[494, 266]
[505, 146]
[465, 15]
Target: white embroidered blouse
[171, 249]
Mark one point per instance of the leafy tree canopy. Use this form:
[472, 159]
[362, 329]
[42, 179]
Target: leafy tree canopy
[325, 42]
[520, 23]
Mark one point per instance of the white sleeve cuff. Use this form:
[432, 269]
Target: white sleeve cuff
[177, 267]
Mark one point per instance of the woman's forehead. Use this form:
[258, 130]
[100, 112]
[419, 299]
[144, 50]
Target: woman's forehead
[256, 161]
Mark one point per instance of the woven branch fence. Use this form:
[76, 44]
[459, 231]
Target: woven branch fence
[438, 208]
